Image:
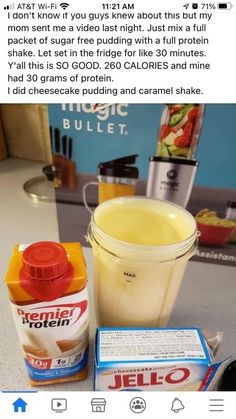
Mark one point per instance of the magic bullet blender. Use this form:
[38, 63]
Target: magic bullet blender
[172, 170]
[171, 179]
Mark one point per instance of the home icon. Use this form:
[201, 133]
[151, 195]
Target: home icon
[19, 405]
[98, 405]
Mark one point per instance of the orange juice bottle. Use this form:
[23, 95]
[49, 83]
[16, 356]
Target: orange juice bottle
[48, 295]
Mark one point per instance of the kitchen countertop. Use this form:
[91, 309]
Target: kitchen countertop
[207, 297]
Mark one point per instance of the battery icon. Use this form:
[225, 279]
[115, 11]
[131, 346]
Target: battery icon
[226, 6]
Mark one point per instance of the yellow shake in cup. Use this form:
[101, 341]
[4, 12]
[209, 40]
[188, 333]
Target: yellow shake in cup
[141, 247]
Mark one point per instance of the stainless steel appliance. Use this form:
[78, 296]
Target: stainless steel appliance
[171, 179]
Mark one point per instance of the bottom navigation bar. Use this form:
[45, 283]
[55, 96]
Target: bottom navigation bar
[126, 404]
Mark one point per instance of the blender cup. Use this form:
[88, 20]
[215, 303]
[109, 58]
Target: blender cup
[180, 130]
[141, 247]
[171, 179]
[115, 178]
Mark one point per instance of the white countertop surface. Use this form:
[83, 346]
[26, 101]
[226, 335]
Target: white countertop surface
[207, 297]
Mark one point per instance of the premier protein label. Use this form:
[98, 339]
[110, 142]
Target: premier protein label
[150, 359]
[59, 315]
[54, 336]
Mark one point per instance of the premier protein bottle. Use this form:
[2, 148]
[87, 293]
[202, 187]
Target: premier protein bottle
[48, 295]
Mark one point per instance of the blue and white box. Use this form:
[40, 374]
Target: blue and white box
[151, 359]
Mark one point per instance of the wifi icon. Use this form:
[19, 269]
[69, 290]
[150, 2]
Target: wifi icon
[64, 5]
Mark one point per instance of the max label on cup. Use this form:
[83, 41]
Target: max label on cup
[47, 289]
